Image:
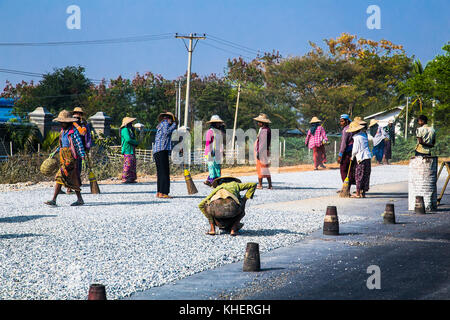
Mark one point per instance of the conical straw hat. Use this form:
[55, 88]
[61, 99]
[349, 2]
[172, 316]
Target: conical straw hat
[78, 109]
[373, 122]
[126, 121]
[354, 126]
[262, 118]
[65, 116]
[359, 120]
[218, 181]
[315, 120]
[215, 118]
[166, 113]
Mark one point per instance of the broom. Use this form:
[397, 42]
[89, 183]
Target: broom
[93, 180]
[345, 192]
[189, 182]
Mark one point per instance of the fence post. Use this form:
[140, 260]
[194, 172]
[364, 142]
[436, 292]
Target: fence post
[11, 148]
[335, 144]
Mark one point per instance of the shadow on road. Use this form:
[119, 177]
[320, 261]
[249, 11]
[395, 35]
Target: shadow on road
[16, 236]
[124, 203]
[19, 219]
[267, 232]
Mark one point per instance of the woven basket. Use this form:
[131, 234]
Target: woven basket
[49, 167]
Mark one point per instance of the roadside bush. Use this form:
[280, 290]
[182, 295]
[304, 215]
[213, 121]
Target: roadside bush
[22, 167]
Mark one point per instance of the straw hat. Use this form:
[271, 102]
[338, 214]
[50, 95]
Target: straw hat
[126, 121]
[225, 179]
[78, 110]
[166, 113]
[373, 122]
[354, 126]
[65, 116]
[215, 118]
[315, 120]
[359, 120]
[262, 118]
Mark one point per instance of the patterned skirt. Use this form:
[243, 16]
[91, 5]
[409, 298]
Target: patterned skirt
[362, 175]
[378, 151]
[262, 169]
[214, 170]
[68, 170]
[129, 168]
[343, 167]
[319, 156]
[387, 149]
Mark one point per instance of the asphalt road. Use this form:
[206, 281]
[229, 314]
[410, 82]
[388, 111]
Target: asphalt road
[413, 257]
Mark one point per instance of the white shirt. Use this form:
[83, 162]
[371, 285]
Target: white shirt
[361, 147]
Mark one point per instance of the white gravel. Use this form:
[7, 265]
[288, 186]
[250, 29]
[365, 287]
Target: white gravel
[128, 240]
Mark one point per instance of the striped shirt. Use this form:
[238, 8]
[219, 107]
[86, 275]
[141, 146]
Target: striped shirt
[163, 138]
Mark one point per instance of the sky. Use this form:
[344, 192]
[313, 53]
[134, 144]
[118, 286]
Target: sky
[421, 26]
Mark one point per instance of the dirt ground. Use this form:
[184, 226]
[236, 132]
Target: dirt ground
[251, 170]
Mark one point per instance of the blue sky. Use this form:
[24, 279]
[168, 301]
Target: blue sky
[422, 26]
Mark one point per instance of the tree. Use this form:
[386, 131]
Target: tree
[64, 88]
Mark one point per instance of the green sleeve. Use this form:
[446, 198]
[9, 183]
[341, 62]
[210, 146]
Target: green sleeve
[127, 138]
[250, 187]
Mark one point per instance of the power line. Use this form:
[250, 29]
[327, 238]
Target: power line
[225, 50]
[34, 74]
[143, 38]
[212, 37]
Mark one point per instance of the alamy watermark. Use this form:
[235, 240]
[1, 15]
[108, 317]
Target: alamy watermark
[374, 281]
[374, 20]
[247, 147]
[74, 20]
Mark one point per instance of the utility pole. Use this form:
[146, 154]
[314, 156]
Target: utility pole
[406, 122]
[235, 117]
[190, 49]
[179, 102]
[176, 101]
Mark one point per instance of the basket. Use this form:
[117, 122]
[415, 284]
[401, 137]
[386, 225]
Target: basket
[49, 167]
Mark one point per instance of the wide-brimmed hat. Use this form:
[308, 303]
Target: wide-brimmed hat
[215, 118]
[166, 113]
[126, 121]
[78, 110]
[65, 116]
[359, 120]
[354, 126]
[225, 179]
[315, 120]
[373, 122]
[262, 118]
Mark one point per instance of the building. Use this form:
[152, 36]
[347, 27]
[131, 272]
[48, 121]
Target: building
[6, 108]
[383, 118]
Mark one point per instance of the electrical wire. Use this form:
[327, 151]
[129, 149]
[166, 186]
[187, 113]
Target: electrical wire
[233, 44]
[225, 50]
[34, 74]
[143, 38]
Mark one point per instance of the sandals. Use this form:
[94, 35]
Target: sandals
[211, 233]
[51, 203]
[165, 196]
[77, 203]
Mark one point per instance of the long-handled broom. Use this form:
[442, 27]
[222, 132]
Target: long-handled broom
[93, 180]
[345, 192]
[191, 188]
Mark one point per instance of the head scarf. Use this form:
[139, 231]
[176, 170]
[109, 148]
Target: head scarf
[314, 127]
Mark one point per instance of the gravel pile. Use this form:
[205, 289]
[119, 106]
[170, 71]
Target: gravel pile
[128, 240]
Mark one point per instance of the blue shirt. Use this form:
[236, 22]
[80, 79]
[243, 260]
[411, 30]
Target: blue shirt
[163, 139]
